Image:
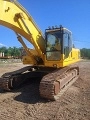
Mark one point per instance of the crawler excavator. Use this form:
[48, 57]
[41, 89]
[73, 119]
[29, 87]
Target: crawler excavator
[51, 58]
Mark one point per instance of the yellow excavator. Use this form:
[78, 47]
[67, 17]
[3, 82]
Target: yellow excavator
[50, 60]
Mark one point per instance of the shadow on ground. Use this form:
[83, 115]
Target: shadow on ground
[29, 94]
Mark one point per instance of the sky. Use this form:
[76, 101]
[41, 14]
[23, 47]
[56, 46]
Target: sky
[71, 14]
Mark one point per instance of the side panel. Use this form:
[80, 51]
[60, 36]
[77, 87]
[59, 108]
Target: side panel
[74, 56]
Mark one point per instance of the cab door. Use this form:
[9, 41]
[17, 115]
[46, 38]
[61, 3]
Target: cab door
[67, 43]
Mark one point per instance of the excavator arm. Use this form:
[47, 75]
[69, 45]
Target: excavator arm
[15, 17]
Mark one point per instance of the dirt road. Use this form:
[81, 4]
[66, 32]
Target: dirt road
[26, 103]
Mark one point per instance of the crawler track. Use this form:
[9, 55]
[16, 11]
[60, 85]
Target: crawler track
[53, 85]
[12, 80]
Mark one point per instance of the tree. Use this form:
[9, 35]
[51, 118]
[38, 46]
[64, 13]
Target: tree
[15, 52]
[85, 53]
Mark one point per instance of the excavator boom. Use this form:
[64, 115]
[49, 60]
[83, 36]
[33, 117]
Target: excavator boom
[15, 17]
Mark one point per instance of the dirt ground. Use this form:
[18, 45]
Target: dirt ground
[26, 103]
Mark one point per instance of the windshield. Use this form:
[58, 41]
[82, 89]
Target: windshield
[53, 46]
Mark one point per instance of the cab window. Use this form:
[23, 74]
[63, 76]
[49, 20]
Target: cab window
[67, 44]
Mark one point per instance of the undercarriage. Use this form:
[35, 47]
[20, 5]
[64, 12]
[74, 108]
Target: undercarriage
[53, 82]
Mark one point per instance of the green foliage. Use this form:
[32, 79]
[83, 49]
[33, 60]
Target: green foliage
[15, 52]
[11, 51]
[85, 53]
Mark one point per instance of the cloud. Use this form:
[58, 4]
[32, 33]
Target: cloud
[3, 45]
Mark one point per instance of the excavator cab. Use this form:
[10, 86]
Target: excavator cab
[59, 47]
[54, 46]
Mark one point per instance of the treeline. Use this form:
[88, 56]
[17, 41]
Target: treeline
[11, 51]
[85, 53]
[15, 52]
